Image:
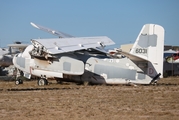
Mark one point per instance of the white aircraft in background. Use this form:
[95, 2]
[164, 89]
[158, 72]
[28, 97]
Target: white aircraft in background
[174, 58]
[82, 59]
[6, 55]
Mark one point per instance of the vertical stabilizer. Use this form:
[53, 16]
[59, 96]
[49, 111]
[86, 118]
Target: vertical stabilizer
[149, 45]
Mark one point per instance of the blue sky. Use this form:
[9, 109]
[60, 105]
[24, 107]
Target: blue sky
[120, 20]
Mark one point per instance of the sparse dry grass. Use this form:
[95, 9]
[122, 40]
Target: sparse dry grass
[71, 101]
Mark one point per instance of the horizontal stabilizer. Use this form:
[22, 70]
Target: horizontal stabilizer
[132, 57]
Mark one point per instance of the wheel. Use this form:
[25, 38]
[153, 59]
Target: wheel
[42, 82]
[19, 81]
[155, 83]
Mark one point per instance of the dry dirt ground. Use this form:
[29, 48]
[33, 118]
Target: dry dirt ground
[77, 102]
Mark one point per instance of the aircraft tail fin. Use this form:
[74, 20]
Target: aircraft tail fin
[149, 45]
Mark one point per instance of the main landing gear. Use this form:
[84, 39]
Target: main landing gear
[42, 82]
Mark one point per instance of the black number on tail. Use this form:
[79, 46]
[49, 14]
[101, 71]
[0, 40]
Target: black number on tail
[141, 50]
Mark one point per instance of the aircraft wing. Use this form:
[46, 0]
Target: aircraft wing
[18, 48]
[132, 57]
[54, 32]
[62, 45]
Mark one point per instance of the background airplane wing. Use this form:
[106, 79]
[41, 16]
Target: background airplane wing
[15, 48]
[62, 45]
[54, 32]
[18, 45]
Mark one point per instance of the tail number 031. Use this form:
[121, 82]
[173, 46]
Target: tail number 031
[141, 50]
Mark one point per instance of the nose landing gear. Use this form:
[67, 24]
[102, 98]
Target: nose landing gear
[18, 81]
[19, 76]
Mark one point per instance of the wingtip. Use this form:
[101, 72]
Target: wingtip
[34, 25]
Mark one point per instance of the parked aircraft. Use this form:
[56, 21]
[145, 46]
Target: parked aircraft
[82, 59]
[6, 55]
[174, 58]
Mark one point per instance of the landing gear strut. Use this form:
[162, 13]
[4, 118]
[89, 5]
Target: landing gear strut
[19, 76]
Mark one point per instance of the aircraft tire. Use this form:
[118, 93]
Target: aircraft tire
[46, 82]
[18, 81]
[21, 81]
[42, 82]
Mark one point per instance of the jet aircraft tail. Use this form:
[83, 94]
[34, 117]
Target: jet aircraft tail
[149, 46]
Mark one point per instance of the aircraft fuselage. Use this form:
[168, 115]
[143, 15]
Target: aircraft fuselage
[80, 67]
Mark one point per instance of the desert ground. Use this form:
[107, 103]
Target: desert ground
[70, 101]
